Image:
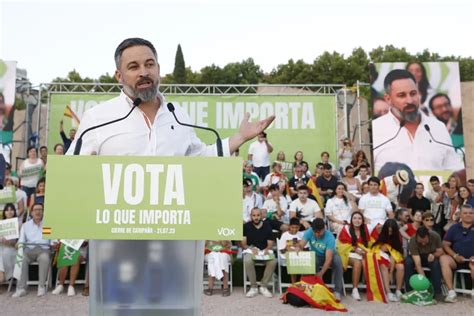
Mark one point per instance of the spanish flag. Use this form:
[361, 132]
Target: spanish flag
[373, 278]
[383, 187]
[315, 192]
[68, 112]
[313, 290]
[384, 257]
[344, 245]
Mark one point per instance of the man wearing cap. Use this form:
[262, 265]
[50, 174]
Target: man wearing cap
[413, 145]
[259, 154]
[392, 186]
[252, 176]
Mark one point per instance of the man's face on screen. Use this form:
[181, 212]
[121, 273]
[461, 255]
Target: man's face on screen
[405, 99]
[139, 73]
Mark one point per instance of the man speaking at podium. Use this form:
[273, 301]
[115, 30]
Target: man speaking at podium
[150, 130]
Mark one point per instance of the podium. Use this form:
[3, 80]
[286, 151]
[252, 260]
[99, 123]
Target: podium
[146, 219]
[156, 277]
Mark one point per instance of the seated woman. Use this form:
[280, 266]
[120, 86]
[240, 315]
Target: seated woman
[8, 255]
[390, 257]
[38, 196]
[409, 230]
[72, 273]
[339, 208]
[352, 244]
[352, 184]
[218, 258]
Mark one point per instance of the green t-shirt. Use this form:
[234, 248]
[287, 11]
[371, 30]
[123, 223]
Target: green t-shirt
[254, 178]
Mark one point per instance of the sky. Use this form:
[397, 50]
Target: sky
[51, 38]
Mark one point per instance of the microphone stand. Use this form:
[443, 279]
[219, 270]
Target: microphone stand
[220, 152]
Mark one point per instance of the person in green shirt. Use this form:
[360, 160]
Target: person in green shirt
[252, 176]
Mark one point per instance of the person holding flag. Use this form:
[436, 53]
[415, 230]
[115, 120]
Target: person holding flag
[352, 244]
[389, 253]
[68, 257]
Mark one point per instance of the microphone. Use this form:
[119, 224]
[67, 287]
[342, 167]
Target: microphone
[220, 152]
[77, 149]
[402, 123]
[427, 128]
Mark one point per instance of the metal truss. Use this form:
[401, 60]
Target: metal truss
[200, 89]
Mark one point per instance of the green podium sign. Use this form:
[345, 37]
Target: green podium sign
[131, 198]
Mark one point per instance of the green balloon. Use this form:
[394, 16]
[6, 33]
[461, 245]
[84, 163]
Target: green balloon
[419, 282]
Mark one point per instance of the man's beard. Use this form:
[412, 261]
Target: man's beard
[148, 94]
[408, 116]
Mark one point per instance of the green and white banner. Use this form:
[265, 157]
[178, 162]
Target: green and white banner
[9, 228]
[306, 123]
[172, 198]
[8, 194]
[7, 100]
[302, 262]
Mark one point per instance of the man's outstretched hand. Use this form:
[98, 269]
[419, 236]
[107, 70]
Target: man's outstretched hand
[248, 130]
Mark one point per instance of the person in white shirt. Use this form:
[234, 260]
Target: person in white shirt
[393, 185]
[363, 175]
[305, 209]
[289, 241]
[35, 249]
[251, 200]
[275, 209]
[30, 171]
[413, 145]
[150, 130]
[339, 208]
[375, 206]
[259, 154]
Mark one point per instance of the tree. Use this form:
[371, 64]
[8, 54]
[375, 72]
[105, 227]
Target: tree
[291, 73]
[179, 72]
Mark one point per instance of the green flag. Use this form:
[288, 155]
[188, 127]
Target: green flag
[67, 256]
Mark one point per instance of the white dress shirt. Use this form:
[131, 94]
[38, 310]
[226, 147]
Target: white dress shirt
[137, 136]
[418, 152]
[32, 235]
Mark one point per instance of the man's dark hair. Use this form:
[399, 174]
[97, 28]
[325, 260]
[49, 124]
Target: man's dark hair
[363, 166]
[318, 224]
[324, 152]
[434, 178]
[419, 183]
[294, 221]
[247, 182]
[43, 147]
[374, 179]
[304, 164]
[319, 164]
[327, 166]
[274, 187]
[130, 42]
[30, 148]
[471, 181]
[438, 95]
[396, 74]
[37, 203]
[422, 232]
[263, 134]
[303, 187]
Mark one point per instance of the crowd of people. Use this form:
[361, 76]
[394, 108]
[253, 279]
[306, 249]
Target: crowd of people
[27, 187]
[340, 214]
